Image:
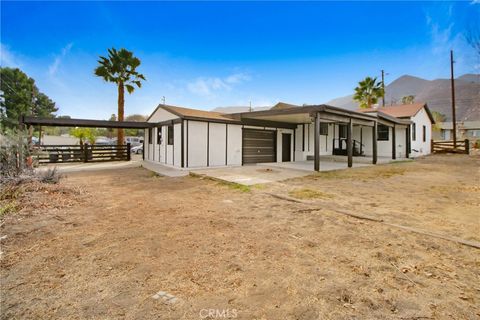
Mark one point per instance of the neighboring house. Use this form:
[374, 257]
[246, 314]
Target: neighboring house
[189, 138]
[421, 126]
[465, 130]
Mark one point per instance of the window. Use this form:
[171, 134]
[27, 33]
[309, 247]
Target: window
[414, 132]
[342, 131]
[424, 133]
[323, 129]
[150, 135]
[473, 133]
[382, 132]
[159, 135]
[170, 135]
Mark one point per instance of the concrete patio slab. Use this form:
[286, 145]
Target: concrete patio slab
[308, 165]
[253, 174]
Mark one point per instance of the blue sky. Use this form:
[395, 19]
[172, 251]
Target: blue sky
[204, 55]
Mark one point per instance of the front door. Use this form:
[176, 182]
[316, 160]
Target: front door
[286, 144]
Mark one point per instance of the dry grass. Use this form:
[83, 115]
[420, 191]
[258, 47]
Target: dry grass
[230, 185]
[386, 171]
[37, 195]
[305, 194]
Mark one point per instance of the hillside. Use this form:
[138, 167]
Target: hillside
[437, 94]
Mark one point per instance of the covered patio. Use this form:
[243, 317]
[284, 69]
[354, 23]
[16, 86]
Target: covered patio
[332, 137]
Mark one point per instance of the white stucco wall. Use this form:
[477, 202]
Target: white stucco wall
[177, 143]
[420, 147]
[163, 153]
[162, 115]
[217, 144]
[384, 148]
[234, 145]
[326, 141]
[224, 144]
[197, 144]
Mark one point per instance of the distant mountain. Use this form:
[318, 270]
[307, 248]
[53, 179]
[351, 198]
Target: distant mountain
[436, 93]
[475, 78]
[238, 109]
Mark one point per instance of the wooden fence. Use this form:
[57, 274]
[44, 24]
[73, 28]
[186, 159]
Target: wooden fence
[447, 146]
[85, 153]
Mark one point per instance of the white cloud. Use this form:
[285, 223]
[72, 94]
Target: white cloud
[208, 86]
[238, 78]
[53, 68]
[8, 58]
[443, 38]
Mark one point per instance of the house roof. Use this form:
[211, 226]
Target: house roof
[392, 119]
[193, 114]
[401, 110]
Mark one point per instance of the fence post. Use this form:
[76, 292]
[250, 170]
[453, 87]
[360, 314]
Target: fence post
[467, 146]
[128, 151]
[85, 152]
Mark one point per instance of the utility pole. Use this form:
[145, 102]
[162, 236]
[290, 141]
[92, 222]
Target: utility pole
[383, 88]
[163, 99]
[454, 120]
[250, 108]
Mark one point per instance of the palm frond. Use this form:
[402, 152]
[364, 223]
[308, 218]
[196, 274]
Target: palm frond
[130, 88]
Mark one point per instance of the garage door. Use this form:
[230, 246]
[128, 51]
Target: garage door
[258, 146]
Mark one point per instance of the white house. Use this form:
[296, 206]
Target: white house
[421, 127]
[189, 138]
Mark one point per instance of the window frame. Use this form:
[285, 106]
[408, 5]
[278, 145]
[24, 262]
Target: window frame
[424, 133]
[159, 136]
[170, 135]
[150, 135]
[381, 132]
[323, 128]
[342, 128]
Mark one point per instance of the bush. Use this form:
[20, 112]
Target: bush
[14, 152]
[50, 176]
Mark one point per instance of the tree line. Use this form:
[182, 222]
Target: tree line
[19, 96]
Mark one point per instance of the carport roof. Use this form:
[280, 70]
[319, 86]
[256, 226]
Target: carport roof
[302, 114]
[69, 122]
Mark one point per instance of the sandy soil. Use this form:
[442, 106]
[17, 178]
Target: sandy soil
[247, 254]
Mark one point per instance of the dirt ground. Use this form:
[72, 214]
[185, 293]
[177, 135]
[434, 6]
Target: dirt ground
[233, 252]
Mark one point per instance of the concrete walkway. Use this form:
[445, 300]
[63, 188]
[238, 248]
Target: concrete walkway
[164, 170]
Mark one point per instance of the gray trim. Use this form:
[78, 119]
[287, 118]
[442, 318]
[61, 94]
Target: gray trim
[208, 144]
[61, 122]
[187, 140]
[183, 145]
[226, 144]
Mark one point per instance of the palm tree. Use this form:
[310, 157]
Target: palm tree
[408, 99]
[120, 68]
[368, 92]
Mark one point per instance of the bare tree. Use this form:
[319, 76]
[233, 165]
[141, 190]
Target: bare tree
[472, 35]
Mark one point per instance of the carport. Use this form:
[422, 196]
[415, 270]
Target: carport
[76, 153]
